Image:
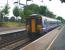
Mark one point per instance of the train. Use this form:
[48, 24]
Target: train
[38, 25]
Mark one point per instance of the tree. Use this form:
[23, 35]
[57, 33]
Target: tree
[22, 15]
[59, 18]
[16, 11]
[5, 10]
[34, 8]
[50, 14]
[60, 0]
[1, 17]
[43, 10]
[20, 12]
[29, 9]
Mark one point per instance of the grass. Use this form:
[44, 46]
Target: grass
[11, 24]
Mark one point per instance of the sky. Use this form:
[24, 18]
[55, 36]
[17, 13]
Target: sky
[54, 6]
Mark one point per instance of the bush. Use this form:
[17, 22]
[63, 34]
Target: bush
[12, 19]
[1, 24]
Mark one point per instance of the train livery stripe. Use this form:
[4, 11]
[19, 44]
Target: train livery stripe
[33, 25]
[39, 27]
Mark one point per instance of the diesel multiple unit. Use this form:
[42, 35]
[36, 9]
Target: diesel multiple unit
[38, 25]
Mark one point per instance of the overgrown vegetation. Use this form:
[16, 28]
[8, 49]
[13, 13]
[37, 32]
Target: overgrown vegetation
[11, 24]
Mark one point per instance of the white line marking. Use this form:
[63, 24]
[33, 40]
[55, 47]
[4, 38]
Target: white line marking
[54, 39]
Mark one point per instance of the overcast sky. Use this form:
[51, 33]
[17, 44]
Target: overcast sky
[55, 6]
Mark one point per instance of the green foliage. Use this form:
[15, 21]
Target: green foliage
[59, 18]
[60, 0]
[12, 24]
[27, 12]
[4, 12]
[16, 11]
[21, 13]
[43, 10]
[1, 17]
[50, 14]
[1, 24]
[33, 8]
[6, 9]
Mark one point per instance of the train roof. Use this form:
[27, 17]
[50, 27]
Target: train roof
[34, 15]
[45, 17]
[49, 19]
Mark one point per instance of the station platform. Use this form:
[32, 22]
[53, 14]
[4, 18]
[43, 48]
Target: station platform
[8, 31]
[44, 42]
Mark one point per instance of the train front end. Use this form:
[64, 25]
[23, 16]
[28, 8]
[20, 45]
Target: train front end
[34, 26]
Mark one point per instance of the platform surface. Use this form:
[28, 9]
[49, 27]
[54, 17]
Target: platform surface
[11, 31]
[59, 43]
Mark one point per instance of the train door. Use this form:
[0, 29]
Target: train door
[33, 25]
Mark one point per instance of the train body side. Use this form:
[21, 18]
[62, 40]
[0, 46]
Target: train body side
[49, 24]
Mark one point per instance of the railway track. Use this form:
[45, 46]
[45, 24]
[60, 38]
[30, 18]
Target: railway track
[16, 45]
[12, 38]
[23, 45]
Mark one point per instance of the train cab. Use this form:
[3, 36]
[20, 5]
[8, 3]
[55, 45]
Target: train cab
[34, 26]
